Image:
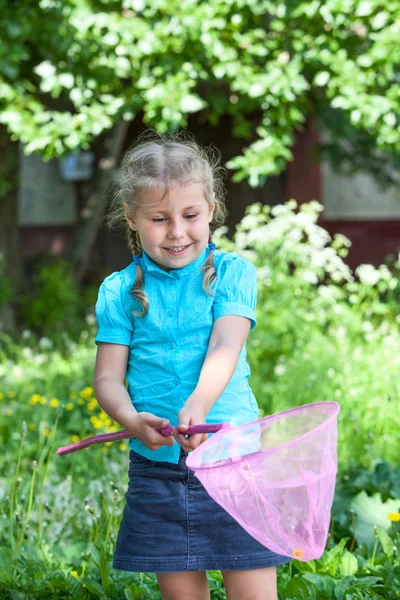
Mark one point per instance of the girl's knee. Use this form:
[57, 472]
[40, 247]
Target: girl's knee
[189, 585]
[256, 584]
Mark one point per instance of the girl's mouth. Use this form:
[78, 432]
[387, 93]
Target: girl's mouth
[177, 250]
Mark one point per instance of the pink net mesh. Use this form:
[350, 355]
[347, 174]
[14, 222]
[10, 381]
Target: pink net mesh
[276, 477]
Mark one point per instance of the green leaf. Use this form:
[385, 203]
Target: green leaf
[191, 103]
[93, 587]
[6, 565]
[348, 564]
[387, 543]
[300, 589]
[370, 511]
[322, 78]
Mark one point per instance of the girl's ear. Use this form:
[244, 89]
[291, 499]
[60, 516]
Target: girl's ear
[129, 217]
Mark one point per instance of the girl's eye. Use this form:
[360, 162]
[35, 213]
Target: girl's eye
[159, 220]
[191, 216]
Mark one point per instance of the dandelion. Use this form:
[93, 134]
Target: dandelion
[87, 392]
[43, 400]
[123, 446]
[74, 574]
[81, 401]
[35, 399]
[95, 421]
[54, 402]
[47, 432]
[75, 438]
[69, 406]
[394, 517]
[31, 427]
[92, 404]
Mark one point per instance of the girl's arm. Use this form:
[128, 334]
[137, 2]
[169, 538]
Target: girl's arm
[228, 336]
[113, 397]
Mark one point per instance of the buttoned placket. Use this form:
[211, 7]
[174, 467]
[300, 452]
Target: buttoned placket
[172, 296]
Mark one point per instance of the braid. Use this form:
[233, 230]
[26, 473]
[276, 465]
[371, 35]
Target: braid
[210, 273]
[137, 291]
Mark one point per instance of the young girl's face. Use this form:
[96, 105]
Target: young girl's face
[175, 230]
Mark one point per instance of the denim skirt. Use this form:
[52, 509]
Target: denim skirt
[171, 524]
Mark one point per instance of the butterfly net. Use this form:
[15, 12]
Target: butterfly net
[276, 477]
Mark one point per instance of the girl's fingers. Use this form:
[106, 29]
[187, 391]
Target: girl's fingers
[196, 440]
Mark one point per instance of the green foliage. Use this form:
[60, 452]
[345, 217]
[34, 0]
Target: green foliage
[72, 69]
[322, 334]
[53, 303]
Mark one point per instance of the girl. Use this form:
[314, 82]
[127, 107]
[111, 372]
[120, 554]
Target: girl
[174, 323]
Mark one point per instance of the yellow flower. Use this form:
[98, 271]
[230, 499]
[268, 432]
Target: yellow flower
[11, 394]
[95, 421]
[80, 401]
[75, 438]
[54, 402]
[31, 427]
[69, 406]
[43, 400]
[87, 392]
[35, 399]
[123, 446]
[73, 395]
[74, 574]
[47, 431]
[298, 553]
[108, 443]
[394, 517]
[1, 395]
[92, 404]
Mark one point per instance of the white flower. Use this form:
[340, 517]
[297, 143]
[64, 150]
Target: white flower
[368, 274]
[280, 370]
[45, 343]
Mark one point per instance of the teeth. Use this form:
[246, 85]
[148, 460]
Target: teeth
[177, 248]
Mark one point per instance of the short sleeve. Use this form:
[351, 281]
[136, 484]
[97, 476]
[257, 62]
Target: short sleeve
[114, 325]
[236, 292]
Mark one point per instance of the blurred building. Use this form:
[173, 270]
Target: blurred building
[354, 206]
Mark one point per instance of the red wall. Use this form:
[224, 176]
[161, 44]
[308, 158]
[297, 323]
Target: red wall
[372, 240]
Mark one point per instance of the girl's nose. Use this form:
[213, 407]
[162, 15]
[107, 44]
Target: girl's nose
[176, 230]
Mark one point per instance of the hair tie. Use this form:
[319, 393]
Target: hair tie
[212, 246]
[136, 259]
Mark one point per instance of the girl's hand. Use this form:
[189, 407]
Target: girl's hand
[192, 413]
[142, 426]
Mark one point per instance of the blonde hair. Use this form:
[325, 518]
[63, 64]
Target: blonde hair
[163, 161]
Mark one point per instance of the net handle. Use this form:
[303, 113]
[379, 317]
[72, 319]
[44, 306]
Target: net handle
[124, 434]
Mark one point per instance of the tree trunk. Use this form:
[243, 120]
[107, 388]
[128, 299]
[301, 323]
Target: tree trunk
[95, 205]
[10, 261]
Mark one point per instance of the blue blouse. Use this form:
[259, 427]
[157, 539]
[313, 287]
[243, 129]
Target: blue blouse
[168, 345]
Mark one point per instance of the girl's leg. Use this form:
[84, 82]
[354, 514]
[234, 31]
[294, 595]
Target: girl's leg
[189, 585]
[258, 584]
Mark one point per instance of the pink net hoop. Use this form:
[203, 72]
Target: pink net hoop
[276, 477]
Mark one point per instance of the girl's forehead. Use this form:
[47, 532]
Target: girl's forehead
[174, 198]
